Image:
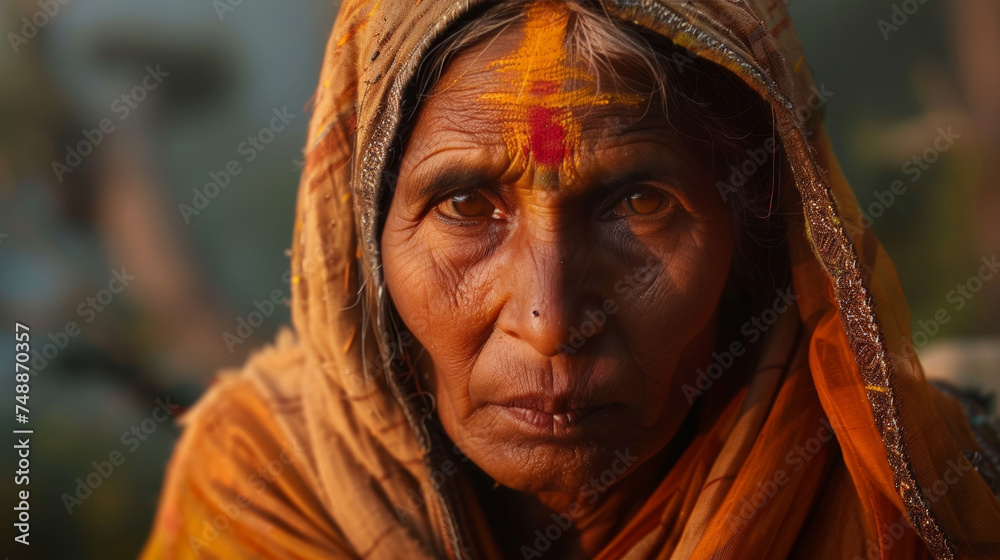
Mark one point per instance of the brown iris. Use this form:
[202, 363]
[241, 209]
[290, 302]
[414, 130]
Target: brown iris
[643, 203]
[467, 205]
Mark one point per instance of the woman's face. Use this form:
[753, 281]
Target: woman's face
[559, 251]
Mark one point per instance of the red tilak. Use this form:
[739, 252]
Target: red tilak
[548, 137]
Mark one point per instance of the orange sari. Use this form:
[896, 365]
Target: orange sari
[837, 448]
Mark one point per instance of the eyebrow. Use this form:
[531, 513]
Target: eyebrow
[460, 175]
[647, 171]
[456, 176]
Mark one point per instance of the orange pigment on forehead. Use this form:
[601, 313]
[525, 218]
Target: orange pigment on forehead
[542, 90]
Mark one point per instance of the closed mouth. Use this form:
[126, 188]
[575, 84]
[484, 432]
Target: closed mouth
[550, 415]
[554, 420]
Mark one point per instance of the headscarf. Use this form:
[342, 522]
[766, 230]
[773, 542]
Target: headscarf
[837, 447]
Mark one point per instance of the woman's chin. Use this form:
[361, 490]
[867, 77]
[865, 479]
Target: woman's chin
[527, 454]
[570, 469]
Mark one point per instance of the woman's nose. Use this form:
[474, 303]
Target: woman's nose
[548, 296]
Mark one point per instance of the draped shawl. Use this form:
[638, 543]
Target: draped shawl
[320, 446]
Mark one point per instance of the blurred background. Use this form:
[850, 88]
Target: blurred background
[149, 160]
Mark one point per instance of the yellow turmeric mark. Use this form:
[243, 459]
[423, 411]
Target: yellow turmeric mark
[542, 91]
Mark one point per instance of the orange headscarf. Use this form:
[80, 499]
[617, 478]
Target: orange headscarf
[837, 448]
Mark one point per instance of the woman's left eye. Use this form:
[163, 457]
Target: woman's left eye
[468, 205]
[644, 202]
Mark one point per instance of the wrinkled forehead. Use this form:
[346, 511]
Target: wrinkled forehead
[485, 97]
[530, 63]
[527, 92]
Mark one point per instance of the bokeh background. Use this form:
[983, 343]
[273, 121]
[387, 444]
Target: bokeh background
[130, 295]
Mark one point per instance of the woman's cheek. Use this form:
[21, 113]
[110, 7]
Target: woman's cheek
[412, 286]
[446, 303]
[701, 260]
[683, 287]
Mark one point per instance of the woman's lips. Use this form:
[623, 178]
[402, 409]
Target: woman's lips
[547, 415]
[552, 421]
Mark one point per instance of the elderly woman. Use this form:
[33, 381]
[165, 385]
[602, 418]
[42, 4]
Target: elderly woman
[579, 279]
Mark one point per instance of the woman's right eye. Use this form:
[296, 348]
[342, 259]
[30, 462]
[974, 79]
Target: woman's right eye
[646, 201]
[468, 205]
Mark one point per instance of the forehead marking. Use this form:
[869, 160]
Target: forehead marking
[540, 91]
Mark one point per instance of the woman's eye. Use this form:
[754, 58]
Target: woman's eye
[463, 206]
[645, 202]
